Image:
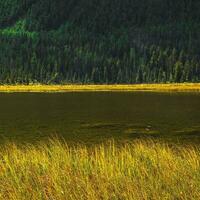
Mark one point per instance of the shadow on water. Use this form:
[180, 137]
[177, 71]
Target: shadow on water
[139, 131]
[95, 133]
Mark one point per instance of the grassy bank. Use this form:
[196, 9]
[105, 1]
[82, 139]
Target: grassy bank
[193, 87]
[139, 170]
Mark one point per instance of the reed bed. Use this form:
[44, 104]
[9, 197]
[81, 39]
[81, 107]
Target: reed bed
[193, 87]
[136, 171]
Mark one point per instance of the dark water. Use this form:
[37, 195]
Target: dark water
[93, 117]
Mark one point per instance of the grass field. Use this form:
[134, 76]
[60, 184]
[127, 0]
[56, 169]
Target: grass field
[135, 171]
[194, 87]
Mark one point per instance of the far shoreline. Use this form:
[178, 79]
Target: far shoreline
[39, 88]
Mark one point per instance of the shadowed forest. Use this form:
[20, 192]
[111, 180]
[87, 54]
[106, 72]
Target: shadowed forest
[107, 41]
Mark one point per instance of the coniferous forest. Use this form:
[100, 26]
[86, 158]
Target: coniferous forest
[92, 41]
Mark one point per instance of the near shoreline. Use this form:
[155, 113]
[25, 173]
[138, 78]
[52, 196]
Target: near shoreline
[183, 87]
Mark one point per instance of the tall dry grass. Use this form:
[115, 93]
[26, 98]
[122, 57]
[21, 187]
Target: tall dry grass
[139, 170]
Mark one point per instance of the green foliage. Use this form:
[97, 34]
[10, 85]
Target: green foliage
[108, 41]
[12, 10]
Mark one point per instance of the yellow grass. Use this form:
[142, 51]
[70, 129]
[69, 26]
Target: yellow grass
[68, 88]
[135, 171]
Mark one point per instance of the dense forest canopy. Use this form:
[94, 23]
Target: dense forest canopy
[92, 41]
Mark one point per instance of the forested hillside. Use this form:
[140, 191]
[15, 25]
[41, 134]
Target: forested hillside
[92, 41]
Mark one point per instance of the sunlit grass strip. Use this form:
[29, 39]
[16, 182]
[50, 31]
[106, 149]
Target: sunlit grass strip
[139, 170]
[78, 88]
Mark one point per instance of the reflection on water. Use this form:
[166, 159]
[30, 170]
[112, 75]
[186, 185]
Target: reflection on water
[93, 117]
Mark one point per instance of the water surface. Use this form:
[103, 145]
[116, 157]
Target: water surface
[96, 116]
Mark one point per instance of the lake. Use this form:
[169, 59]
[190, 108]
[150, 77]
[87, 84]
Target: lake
[92, 117]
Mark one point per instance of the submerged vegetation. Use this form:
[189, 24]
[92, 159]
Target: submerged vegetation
[137, 170]
[107, 41]
[189, 87]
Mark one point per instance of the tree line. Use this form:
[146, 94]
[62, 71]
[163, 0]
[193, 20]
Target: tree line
[99, 41]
